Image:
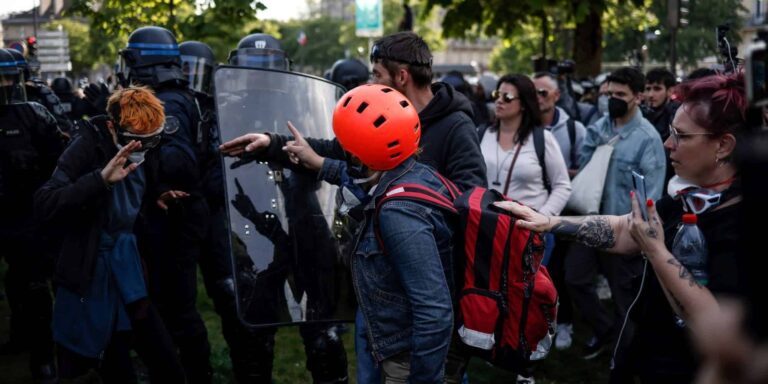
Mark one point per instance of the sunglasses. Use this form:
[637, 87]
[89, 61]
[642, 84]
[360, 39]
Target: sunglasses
[676, 135]
[699, 201]
[542, 92]
[506, 97]
[377, 53]
[148, 141]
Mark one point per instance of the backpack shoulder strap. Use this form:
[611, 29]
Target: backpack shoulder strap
[538, 144]
[481, 132]
[572, 138]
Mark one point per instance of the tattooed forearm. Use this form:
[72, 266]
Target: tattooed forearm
[684, 273]
[592, 231]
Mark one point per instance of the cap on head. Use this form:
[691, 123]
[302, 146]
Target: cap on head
[259, 50]
[378, 125]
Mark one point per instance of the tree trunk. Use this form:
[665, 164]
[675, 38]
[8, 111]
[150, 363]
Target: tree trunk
[588, 42]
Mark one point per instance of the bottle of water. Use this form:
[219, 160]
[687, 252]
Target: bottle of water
[690, 249]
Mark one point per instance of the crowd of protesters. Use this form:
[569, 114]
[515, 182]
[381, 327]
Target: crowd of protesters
[132, 208]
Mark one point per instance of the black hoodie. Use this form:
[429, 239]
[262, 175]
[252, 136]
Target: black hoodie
[448, 139]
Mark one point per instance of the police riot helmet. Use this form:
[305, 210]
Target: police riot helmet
[197, 64]
[21, 62]
[61, 86]
[151, 57]
[11, 80]
[349, 72]
[259, 50]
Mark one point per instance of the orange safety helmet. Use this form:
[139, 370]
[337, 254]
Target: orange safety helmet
[378, 125]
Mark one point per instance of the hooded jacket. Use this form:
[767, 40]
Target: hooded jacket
[448, 139]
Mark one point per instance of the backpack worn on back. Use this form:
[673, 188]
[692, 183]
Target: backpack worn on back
[506, 302]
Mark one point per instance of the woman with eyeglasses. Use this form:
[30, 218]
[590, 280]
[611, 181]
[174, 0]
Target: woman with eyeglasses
[702, 141]
[535, 177]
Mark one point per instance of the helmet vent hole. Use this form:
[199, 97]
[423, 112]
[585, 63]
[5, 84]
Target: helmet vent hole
[349, 98]
[386, 90]
[395, 156]
[379, 121]
[404, 104]
[416, 128]
[362, 107]
[393, 144]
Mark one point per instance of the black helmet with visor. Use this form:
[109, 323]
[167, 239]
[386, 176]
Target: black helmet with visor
[260, 50]
[11, 80]
[197, 65]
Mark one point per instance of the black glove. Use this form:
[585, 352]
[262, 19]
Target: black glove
[97, 95]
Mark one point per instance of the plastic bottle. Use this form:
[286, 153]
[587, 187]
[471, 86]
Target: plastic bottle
[690, 249]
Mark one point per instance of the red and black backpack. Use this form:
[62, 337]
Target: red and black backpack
[506, 302]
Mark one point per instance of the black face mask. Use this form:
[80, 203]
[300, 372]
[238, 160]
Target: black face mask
[617, 108]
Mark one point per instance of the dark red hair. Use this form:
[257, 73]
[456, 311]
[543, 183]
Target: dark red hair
[717, 103]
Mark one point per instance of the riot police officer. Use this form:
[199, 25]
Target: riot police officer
[39, 92]
[326, 357]
[198, 63]
[30, 143]
[349, 72]
[175, 218]
[74, 107]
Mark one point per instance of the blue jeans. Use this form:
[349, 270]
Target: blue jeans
[367, 370]
[549, 245]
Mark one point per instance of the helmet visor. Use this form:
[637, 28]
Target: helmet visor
[199, 72]
[12, 87]
[259, 58]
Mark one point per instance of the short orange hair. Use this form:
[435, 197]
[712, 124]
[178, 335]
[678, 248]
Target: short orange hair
[136, 109]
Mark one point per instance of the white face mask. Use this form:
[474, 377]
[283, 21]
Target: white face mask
[136, 157]
[367, 179]
[677, 184]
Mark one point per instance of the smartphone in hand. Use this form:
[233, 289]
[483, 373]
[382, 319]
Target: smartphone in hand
[638, 181]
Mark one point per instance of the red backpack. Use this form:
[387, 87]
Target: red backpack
[507, 303]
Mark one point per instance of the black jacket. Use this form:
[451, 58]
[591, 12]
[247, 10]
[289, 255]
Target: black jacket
[448, 139]
[75, 199]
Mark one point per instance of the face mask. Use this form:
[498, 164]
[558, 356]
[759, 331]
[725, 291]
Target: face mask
[136, 157]
[677, 184]
[602, 104]
[617, 108]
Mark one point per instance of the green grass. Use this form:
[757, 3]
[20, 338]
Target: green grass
[289, 361]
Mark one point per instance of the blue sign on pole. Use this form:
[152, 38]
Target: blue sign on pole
[369, 19]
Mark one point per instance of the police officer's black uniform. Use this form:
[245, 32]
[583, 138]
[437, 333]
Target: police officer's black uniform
[171, 240]
[74, 107]
[30, 143]
[39, 92]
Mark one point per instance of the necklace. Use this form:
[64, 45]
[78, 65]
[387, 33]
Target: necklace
[497, 182]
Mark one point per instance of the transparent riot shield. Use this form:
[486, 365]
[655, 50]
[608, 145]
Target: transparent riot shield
[288, 267]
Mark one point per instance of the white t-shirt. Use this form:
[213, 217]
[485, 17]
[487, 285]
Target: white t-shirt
[527, 185]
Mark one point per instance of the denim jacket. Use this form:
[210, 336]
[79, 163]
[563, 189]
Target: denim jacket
[403, 290]
[638, 149]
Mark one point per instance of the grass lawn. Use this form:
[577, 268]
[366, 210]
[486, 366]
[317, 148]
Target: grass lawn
[560, 367]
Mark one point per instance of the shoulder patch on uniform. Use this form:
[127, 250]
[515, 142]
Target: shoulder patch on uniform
[172, 125]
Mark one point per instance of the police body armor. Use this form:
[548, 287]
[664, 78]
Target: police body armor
[38, 91]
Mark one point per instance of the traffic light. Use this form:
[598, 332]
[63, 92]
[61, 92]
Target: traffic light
[685, 10]
[31, 46]
[678, 12]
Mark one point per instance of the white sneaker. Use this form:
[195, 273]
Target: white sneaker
[525, 380]
[563, 339]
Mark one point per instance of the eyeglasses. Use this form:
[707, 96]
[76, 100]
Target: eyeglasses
[542, 92]
[676, 135]
[378, 54]
[699, 201]
[506, 97]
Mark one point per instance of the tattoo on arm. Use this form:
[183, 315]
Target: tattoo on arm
[684, 273]
[592, 231]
